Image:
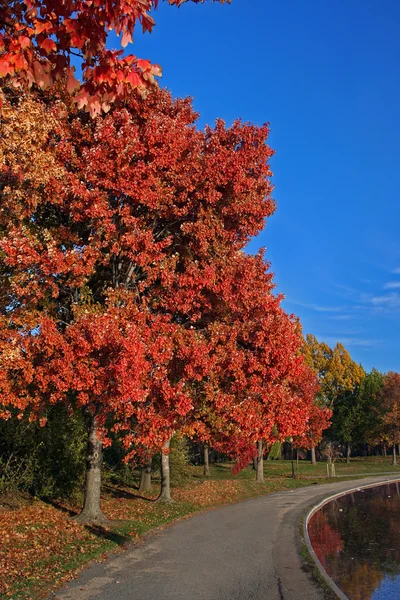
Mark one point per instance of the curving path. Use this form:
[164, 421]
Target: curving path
[245, 551]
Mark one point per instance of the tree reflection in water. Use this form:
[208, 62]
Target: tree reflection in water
[357, 540]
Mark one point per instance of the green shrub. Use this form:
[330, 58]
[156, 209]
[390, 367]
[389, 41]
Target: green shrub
[45, 461]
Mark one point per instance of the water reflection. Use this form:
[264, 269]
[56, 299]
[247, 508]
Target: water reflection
[357, 540]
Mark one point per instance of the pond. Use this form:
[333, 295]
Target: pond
[357, 540]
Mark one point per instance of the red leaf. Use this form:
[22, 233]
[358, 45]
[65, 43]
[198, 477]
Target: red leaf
[42, 75]
[134, 79]
[126, 39]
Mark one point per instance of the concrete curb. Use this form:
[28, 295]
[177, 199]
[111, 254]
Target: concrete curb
[331, 584]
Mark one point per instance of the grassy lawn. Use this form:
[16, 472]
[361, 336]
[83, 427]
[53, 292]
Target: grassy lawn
[357, 466]
[283, 468]
[41, 546]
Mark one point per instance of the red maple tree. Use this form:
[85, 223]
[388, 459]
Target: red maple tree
[259, 388]
[320, 419]
[113, 258]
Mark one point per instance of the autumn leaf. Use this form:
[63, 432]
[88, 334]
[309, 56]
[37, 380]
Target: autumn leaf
[48, 45]
[42, 76]
[5, 68]
[72, 83]
[126, 39]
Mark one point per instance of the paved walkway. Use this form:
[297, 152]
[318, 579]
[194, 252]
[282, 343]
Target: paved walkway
[246, 551]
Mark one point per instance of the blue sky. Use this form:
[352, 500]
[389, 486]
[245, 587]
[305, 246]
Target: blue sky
[326, 76]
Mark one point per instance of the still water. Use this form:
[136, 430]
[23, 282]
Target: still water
[357, 540]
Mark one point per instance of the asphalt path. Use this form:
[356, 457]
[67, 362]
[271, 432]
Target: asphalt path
[245, 551]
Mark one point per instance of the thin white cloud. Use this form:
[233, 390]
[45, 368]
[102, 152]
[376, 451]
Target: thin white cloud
[345, 291]
[317, 307]
[350, 341]
[396, 271]
[341, 317]
[386, 301]
[392, 285]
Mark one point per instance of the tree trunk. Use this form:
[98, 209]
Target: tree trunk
[91, 512]
[254, 463]
[206, 461]
[348, 453]
[145, 477]
[165, 493]
[384, 450]
[313, 457]
[260, 462]
[394, 461]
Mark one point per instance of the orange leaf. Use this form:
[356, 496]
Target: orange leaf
[5, 68]
[24, 41]
[41, 26]
[94, 106]
[48, 45]
[143, 64]
[72, 83]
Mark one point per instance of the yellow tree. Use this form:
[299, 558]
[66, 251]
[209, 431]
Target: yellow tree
[338, 375]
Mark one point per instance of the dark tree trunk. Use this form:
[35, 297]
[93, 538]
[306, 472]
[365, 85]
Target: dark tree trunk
[313, 457]
[254, 463]
[394, 461]
[384, 450]
[348, 453]
[91, 512]
[260, 462]
[145, 477]
[165, 493]
[206, 461]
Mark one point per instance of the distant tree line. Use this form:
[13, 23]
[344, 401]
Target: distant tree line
[365, 406]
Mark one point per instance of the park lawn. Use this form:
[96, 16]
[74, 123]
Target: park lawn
[357, 466]
[41, 547]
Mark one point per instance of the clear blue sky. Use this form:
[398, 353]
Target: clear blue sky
[326, 76]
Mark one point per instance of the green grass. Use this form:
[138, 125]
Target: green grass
[357, 466]
[283, 468]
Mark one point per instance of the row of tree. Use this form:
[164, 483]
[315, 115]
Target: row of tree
[127, 298]
[365, 406]
[126, 293]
